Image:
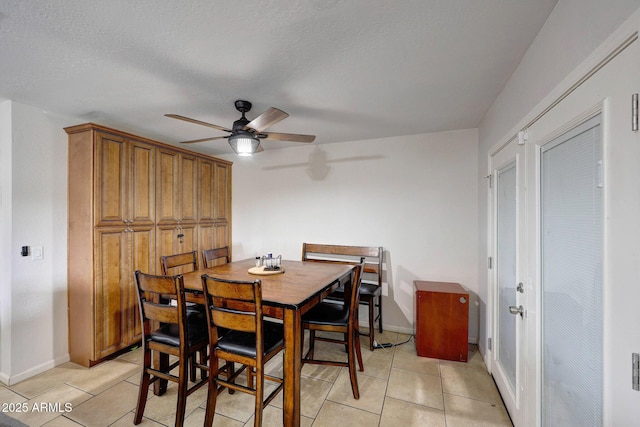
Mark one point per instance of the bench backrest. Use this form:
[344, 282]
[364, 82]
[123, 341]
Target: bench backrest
[328, 253]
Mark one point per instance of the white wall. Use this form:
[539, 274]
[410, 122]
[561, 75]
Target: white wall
[34, 322]
[416, 196]
[574, 29]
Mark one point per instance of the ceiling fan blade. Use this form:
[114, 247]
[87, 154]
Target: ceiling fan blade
[198, 122]
[259, 149]
[294, 137]
[203, 139]
[266, 119]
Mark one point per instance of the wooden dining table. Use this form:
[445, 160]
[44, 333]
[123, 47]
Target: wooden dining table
[285, 296]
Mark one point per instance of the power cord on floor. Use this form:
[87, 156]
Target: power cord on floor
[377, 345]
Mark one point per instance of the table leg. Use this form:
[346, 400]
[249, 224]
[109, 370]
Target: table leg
[292, 367]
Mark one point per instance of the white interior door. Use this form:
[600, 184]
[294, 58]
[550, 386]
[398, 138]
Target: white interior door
[583, 252]
[507, 166]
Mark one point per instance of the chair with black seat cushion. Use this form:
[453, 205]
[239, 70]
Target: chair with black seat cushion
[371, 290]
[212, 257]
[342, 318]
[167, 330]
[250, 340]
[179, 264]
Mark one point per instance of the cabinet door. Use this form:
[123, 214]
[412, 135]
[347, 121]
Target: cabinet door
[171, 240]
[222, 191]
[110, 295]
[206, 169]
[188, 188]
[441, 325]
[141, 184]
[167, 187]
[206, 237]
[176, 187]
[222, 235]
[141, 241]
[212, 236]
[110, 191]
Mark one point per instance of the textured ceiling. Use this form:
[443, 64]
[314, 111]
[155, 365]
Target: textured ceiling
[343, 69]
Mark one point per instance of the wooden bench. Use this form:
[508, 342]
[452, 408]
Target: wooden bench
[371, 289]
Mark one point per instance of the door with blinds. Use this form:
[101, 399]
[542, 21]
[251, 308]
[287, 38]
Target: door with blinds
[583, 252]
[571, 205]
[508, 224]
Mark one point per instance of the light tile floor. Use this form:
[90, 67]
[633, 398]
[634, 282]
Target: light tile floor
[397, 388]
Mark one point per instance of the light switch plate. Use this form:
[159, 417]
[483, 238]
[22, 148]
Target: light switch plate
[37, 252]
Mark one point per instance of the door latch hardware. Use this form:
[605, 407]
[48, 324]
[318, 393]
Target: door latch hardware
[520, 288]
[516, 310]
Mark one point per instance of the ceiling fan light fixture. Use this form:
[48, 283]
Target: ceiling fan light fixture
[244, 143]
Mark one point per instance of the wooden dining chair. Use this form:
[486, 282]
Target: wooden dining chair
[371, 289]
[167, 330]
[211, 257]
[179, 263]
[250, 341]
[342, 318]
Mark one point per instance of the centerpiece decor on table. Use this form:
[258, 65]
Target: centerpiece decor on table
[267, 264]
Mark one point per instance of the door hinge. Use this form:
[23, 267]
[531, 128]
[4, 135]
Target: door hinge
[635, 369]
[634, 112]
[489, 343]
[490, 263]
[490, 180]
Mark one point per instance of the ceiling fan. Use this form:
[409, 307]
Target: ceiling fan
[245, 135]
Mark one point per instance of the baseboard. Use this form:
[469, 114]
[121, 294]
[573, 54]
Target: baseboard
[389, 328]
[408, 331]
[14, 379]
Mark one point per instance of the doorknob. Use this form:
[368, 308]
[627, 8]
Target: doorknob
[516, 310]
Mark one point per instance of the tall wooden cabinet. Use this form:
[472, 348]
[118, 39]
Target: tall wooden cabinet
[131, 200]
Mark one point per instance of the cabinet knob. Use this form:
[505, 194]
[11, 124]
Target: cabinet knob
[463, 300]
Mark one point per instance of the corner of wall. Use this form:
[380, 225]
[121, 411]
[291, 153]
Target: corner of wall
[6, 138]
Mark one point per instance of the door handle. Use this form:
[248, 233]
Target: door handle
[516, 310]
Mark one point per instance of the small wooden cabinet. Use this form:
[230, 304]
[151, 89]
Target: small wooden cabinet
[441, 320]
